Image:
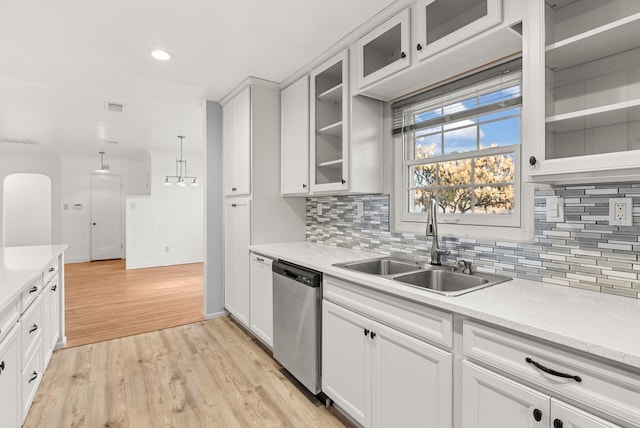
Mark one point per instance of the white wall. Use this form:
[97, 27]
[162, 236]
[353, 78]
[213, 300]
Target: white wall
[32, 159]
[27, 209]
[167, 227]
[76, 195]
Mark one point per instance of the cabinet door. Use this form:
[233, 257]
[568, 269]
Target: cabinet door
[237, 240]
[412, 381]
[490, 400]
[383, 51]
[9, 379]
[51, 306]
[329, 125]
[295, 138]
[445, 23]
[346, 361]
[566, 416]
[262, 298]
[236, 128]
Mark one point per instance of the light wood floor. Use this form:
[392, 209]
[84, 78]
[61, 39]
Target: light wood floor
[105, 301]
[207, 374]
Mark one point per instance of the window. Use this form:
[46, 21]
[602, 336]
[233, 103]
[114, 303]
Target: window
[460, 144]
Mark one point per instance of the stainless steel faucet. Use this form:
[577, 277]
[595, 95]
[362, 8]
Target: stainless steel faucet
[432, 229]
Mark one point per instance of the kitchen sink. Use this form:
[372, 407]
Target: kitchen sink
[446, 280]
[382, 266]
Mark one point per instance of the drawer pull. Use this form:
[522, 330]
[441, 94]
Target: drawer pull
[537, 415]
[1, 367]
[553, 372]
[373, 335]
[34, 376]
[33, 290]
[366, 332]
[260, 259]
[52, 269]
[34, 328]
[557, 423]
[54, 288]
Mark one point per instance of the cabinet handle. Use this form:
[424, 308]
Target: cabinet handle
[304, 186]
[366, 331]
[537, 415]
[34, 328]
[419, 47]
[557, 423]
[373, 335]
[233, 189]
[344, 181]
[403, 55]
[34, 376]
[553, 372]
[1, 367]
[54, 288]
[532, 160]
[234, 205]
[33, 290]
[260, 259]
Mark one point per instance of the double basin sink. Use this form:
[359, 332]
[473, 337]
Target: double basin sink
[444, 280]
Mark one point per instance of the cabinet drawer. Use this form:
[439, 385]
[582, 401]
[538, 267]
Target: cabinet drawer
[31, 292]
[31, 377]
[8, 317]
[599, 384]
[417, 320]
[51, 270]
[31, 329]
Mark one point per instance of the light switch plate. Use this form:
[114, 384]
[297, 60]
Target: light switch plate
[555, 208]
[621, 211]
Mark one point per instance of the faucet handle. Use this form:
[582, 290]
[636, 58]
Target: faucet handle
[466, 264]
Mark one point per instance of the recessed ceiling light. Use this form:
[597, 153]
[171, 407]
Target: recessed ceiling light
[160, 54]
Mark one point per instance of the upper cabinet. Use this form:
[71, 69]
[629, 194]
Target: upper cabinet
[384, 50]
[294, 145]
[445, 23]
[591, 111]
[342, 126]
[329, 125]
[236, 128]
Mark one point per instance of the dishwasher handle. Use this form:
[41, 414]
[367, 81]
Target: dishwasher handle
[308, 277]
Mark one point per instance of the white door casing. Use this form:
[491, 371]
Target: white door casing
[106, 217]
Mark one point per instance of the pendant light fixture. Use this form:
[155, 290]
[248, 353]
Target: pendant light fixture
[181, 178]
[103, 168]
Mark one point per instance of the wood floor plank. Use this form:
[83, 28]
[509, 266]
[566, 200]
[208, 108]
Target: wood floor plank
[206, 374]
[105, 301]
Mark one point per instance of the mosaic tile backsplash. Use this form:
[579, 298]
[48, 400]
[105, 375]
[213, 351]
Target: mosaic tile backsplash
[584, 251]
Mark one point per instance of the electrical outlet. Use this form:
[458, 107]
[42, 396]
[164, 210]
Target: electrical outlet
[555, 209]
[359, 209]
[621, 211]
[319, 209]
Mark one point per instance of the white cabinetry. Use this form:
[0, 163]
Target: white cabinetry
[382, 376]
[237, 238]
[236, 129]
[295, 138]
[552, 376]
[445, 23]
[262, 298]
[9, 379]
[345, 133]
[589, 56]
[384, 51]
[263, 215]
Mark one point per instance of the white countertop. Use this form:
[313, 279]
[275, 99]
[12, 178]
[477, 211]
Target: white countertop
[599, 324]
[19, 265]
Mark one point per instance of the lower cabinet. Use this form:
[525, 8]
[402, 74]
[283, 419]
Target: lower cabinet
[237, 238]
[51, 309]
[10, 371]
[262, 298]
[382, 377]
[491, 400]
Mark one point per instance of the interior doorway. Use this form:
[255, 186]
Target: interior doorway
[106, 217]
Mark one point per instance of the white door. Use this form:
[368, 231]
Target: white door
[294, 103]
[262, 298]
[346, 361]
[412, 381]
[106, 217]
[566, 416]
[492, 401]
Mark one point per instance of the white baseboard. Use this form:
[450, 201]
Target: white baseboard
[149, 264]
[215, 315]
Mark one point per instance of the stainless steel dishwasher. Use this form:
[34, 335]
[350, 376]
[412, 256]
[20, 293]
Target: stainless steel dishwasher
[297, 322]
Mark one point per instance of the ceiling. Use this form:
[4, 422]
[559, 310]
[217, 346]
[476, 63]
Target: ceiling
[62, 61]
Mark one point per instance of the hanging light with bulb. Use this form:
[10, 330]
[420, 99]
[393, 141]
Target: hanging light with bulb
[181, 178]
[103, 168]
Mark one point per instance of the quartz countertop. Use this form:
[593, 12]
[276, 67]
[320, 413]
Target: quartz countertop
[19, 265]
[596, 323]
